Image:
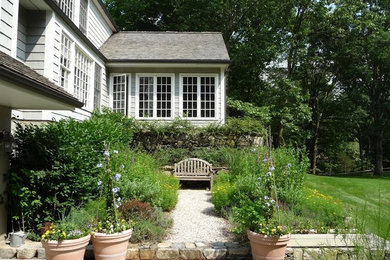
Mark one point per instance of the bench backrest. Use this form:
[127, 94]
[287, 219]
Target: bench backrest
[193, 167]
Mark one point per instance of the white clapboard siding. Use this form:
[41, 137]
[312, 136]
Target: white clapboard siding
[98, 30]
[35, 40]
[6, 21]
[105, 100]
[22, 38]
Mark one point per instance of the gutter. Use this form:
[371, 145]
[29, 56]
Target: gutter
[168, 61]
[39, 87]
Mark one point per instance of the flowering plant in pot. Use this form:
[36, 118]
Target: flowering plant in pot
[64, 240]
[259, 215]
[110, 232]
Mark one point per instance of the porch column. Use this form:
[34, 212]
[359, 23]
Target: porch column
[5, 124]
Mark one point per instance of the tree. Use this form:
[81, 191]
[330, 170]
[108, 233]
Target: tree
[361, 55]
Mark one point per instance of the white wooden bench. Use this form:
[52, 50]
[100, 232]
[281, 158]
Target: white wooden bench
[194, 169]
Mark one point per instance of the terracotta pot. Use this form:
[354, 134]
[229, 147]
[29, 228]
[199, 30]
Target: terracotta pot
[66, 249]
[267, 248]
[111, 246]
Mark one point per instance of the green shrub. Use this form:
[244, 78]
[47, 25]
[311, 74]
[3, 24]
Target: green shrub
[222, 192]
[143, 181]
[238, 189]
[54, 166]
[153, 229]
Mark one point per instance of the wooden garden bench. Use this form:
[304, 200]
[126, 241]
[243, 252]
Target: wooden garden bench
[194, 169]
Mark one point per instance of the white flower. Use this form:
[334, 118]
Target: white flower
[265, 160]
[266, 197]
[271, 168]
[117, 177]
[99, 165]
[122, 166]
[107, 153]
[289, 165]
[269, 174]
[115, 190]
[99, 183]
[116, 151]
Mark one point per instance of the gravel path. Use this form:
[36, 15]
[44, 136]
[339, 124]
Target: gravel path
[194, 219]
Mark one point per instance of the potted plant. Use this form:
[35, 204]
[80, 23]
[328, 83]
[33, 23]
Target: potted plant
[110, 232]
[259, 215]
[64, 241]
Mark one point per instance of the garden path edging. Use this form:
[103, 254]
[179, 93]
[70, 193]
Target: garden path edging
[300, 247]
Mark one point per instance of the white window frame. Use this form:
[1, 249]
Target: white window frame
[128, 88]
[83, 97]
[68, 10]
[97, 90]
[217, 89]
[173, 88]
[83, 28]
[68, 69]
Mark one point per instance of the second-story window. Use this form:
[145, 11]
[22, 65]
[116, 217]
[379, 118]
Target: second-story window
[83, 15]
[65, 61]
[81, 77]
[67, 7]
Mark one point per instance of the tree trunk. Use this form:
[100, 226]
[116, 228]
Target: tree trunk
[378, 156]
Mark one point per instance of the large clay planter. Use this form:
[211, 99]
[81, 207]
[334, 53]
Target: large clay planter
[66, 249]
[267, 248]
[111, 246]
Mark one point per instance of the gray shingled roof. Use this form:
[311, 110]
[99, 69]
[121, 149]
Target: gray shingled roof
[17, 71]
[207, 47]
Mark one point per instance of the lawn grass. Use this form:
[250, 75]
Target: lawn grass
[367, 198]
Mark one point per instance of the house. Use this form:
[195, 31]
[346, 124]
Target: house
[65, 58]
[146, 75]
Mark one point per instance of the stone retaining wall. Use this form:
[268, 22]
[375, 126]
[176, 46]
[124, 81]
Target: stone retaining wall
[300, 247]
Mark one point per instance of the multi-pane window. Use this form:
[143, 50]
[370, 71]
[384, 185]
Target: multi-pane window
[67, 7]
[83, 15]
[164, 96]
[190, 96]
[65, 61]
[119, 97]
[207, 96]
[146, 90]
[97, 86]
[198, 96]
[155, 96]
[81, 77]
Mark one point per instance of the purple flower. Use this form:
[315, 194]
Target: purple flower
[117, 177]
[289, 165]
[271, 168]
[266, 197]
[265, 160]
[99, 165]
[115, 190]
[272, 201]
[259, 179]
[269, 174]
[107, 154]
